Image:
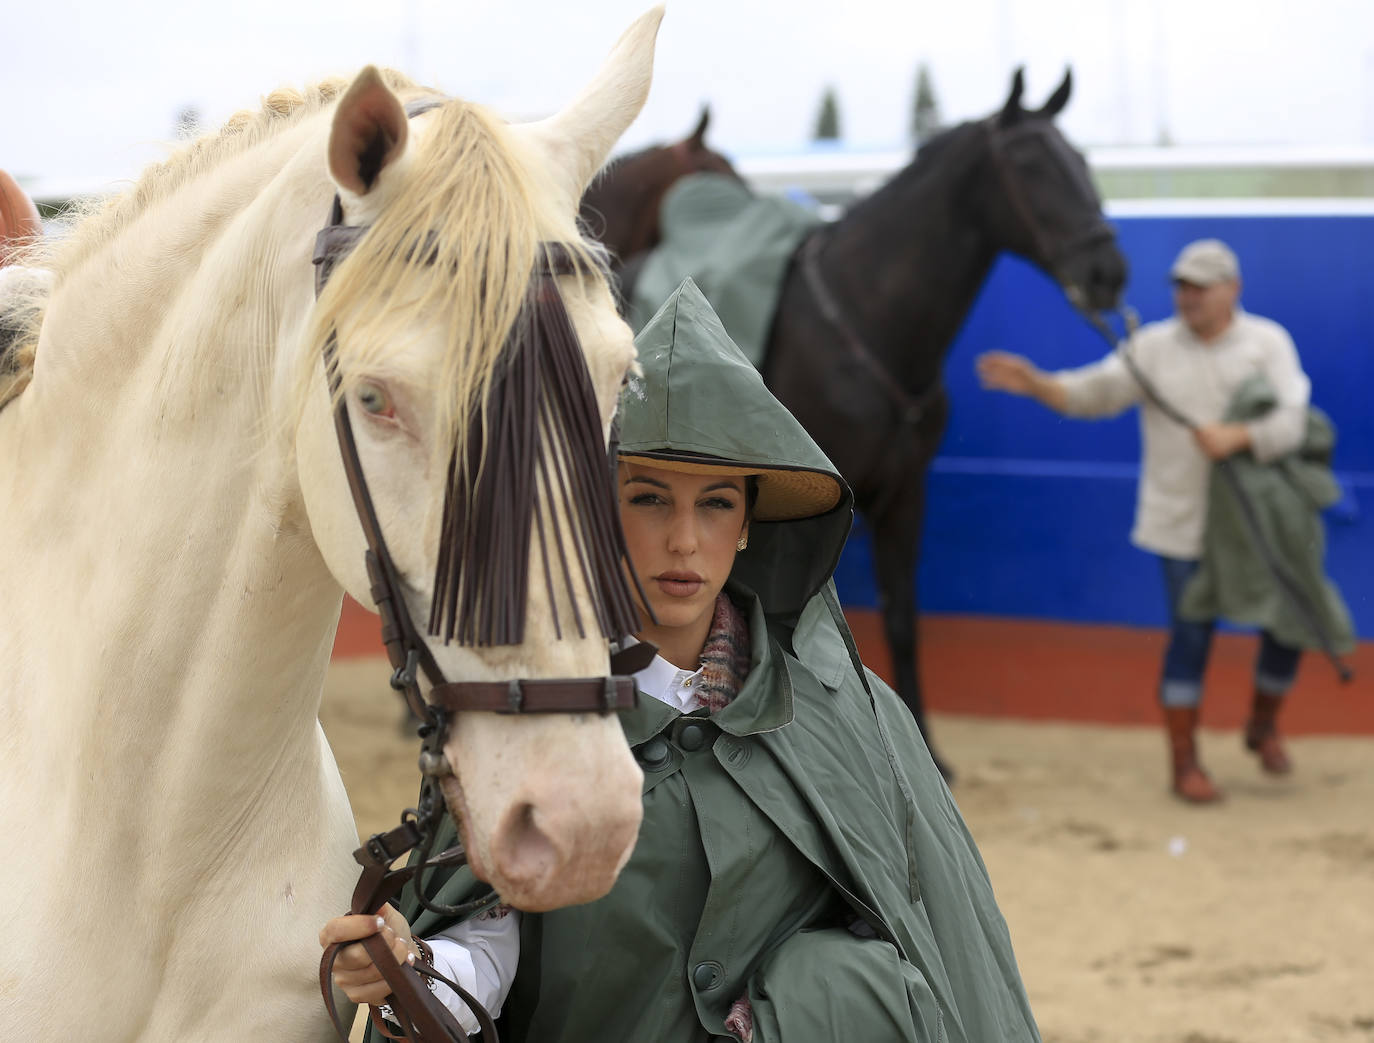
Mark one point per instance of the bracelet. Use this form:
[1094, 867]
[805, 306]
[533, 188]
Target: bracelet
[424, 951]
[426, 954]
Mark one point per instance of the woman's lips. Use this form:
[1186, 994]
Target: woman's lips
[679, 584]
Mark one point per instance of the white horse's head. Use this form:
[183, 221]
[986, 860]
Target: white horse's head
[459, 206]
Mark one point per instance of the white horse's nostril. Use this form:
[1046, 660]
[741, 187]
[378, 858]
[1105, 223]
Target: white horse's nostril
[524, 853]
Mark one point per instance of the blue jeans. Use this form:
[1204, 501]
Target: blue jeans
[1185, 660]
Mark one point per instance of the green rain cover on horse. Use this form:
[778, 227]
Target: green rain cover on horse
[734, 245]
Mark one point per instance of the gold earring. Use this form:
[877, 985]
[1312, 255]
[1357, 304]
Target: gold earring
[743, 542]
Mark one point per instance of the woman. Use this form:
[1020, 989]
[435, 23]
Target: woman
[801, 872]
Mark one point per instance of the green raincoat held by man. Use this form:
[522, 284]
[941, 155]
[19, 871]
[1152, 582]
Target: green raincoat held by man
[806, 859]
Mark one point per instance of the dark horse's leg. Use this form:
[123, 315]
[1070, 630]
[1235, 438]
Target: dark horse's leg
[895, 510]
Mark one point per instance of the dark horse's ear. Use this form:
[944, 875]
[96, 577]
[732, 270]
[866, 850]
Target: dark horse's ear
[1011, 111]
[1059, 98]
[697, 139]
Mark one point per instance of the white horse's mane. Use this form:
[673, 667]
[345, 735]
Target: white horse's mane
[478, 236]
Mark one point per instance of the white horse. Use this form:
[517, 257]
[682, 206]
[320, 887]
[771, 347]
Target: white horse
[177, 533]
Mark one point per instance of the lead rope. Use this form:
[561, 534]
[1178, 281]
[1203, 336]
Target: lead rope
[1288, 586]
[420, 1014]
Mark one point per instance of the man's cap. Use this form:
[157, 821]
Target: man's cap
[1205, 262]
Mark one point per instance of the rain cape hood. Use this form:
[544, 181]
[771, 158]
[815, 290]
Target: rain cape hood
[699, 394]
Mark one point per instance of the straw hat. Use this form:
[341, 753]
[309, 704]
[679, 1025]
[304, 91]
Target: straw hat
[784, 494]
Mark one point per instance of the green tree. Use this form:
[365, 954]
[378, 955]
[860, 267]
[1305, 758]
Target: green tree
[828, 121]
[925, 110]
[188, 122]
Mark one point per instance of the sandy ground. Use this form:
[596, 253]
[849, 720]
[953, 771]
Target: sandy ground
[1135, 919]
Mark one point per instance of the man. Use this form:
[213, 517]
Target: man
[1195, 362]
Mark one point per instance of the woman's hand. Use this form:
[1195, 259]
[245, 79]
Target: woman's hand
[354, 971]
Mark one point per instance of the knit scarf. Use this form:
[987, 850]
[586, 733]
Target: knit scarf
[724, 666]
[724, 657]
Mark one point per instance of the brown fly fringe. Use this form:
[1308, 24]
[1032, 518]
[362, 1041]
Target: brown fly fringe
[534, 462]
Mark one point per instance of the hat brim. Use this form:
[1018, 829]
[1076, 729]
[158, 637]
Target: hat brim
[784, 495]
[1196, 277]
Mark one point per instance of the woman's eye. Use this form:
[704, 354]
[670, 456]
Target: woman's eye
[719, 504]
[375, 401]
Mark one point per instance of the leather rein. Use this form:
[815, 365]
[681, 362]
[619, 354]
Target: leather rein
[421, 1015]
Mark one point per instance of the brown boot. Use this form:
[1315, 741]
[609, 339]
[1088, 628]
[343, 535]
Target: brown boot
[1190, 781]
[1262, 734]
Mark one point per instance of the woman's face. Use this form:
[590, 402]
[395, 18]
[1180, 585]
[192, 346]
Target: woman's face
[682, 531]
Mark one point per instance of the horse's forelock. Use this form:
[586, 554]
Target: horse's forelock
[455, 244]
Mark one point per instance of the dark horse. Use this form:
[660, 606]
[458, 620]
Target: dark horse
[871, 303]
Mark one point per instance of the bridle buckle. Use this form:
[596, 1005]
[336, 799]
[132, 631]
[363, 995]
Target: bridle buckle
[403, 677]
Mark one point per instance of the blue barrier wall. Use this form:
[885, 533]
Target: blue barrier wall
[1029, 513]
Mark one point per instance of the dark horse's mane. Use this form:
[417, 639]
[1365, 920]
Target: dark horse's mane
[932, 160]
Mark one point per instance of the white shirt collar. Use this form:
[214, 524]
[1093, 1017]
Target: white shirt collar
[670, 684]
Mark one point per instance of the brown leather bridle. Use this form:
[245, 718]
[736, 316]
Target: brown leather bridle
[1002, 141]
[421, 1015]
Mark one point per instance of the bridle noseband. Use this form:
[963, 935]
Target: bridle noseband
[421, 1015]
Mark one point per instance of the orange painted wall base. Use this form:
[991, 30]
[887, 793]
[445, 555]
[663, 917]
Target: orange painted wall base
[1106, 674]
[1064, 671]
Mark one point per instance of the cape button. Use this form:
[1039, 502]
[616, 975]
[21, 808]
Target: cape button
[706, 976]
[692, 737]
[654, 754]
[736, 753]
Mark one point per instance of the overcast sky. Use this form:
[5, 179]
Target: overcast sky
[91, 90]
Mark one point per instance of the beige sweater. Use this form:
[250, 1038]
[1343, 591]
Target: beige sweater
[1198, 379]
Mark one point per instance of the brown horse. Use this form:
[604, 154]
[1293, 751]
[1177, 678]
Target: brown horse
[871, 303]
[621, 206]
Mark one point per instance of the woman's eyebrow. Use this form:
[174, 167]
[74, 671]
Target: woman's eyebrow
[646, 480]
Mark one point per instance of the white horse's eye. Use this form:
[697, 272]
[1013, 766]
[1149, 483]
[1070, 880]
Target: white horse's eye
[374, 400]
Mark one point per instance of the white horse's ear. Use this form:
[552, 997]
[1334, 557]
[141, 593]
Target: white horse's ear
[581, 136]
[369, 132]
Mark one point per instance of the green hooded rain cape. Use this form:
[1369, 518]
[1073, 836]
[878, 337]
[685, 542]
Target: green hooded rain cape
[799, 848]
